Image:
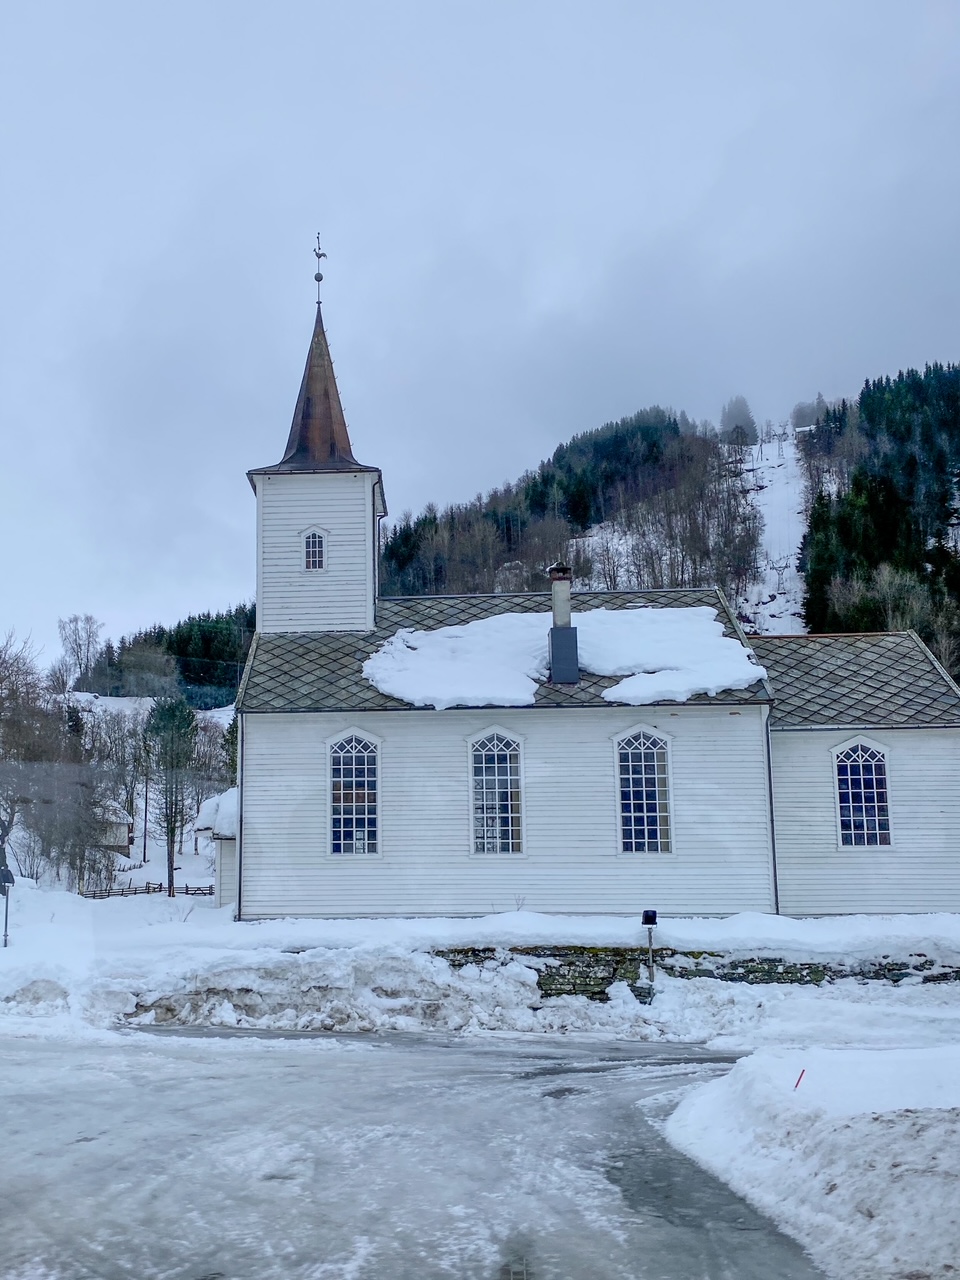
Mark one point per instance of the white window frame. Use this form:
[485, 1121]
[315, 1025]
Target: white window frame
[861, 740]
[472, 742]
[351, 731]
[667, 739]
[325, 545]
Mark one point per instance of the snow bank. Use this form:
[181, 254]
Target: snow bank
[77, 963]
[665, 654]
[861, 1160]
[45, 919]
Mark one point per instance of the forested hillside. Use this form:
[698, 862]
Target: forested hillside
[665, 501]
[675, 489]
[882, 548]
[202, 657]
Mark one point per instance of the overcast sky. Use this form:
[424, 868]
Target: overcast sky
[539, 216]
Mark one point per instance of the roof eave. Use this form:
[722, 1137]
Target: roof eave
[285, 469]
[862, 726]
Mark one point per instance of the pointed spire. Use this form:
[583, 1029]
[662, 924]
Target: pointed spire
[318, 438]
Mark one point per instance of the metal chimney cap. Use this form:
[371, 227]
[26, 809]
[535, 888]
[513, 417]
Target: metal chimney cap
[560, 572]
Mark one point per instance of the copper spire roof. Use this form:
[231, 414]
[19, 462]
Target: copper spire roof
[318, 439]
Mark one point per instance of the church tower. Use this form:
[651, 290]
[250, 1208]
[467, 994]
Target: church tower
[318, 512]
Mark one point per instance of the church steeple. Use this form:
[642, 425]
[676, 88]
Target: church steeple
[318, 511]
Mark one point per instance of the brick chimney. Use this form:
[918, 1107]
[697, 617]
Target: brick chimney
[564, 659]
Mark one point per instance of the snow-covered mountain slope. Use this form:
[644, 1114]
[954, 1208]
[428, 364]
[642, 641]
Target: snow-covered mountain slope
[773, 605]
[98, 704]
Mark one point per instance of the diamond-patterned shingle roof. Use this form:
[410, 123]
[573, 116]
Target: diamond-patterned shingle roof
[321, 671]
[885, 680]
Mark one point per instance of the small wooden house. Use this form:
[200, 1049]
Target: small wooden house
[118, 829]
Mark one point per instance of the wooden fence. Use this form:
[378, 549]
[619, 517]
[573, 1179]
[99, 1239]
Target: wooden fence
[203, 891]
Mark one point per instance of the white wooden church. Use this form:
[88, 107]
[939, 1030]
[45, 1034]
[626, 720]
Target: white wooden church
[585, 752]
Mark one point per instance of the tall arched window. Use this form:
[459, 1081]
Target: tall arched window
[644, 794]
[353, 797]
[313, 551]
[497, 826]
[862, 796]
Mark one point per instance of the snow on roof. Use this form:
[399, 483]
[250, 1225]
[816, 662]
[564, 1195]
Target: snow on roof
[218, 816]
[220, 716]
[113, 812]
[662, 654]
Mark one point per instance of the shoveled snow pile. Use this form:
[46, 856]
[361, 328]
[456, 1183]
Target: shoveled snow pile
[860, 1162]
[663, 654]
[74, 963]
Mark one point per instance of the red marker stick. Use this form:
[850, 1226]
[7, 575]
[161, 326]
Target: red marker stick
[800, 1077]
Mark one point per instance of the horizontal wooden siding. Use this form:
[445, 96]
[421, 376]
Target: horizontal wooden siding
[720, 859]
[919, 871]
[338, 597]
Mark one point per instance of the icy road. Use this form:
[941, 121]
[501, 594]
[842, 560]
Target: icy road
[391, 1157]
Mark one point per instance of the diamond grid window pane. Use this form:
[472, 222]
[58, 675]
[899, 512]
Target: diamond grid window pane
[644, 795]
[862, 796]
[313, 551]
[353, 797]
[496, 796]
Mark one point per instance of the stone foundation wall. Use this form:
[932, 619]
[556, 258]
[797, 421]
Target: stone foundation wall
[590, 971]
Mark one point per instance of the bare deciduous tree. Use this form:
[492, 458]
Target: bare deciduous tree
[171, 731]
[80, 637]
[210, 770]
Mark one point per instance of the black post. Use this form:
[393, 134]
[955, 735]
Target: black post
[6, 884]
[649, 921]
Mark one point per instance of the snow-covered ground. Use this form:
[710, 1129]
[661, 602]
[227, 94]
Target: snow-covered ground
[855, 1153]
[193, 868]
[859, 1163]
[774, 604]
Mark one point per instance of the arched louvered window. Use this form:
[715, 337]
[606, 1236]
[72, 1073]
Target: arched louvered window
[353, 797]
[644, 794]
[862, 796]
[313, 551]
[497, 826]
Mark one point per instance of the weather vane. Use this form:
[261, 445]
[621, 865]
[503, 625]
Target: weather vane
[318, 254]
